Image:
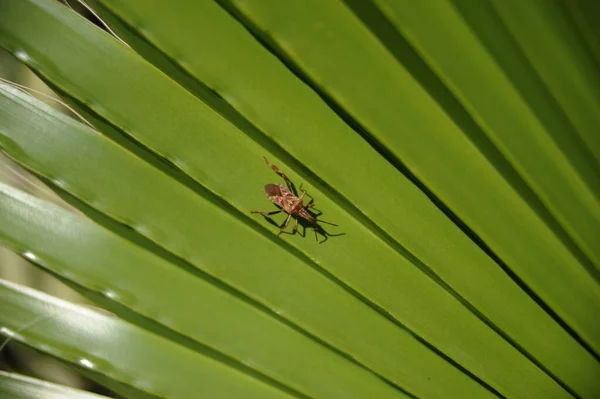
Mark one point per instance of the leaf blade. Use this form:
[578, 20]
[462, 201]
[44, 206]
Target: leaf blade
[347, 330]
[107, 346]
[136, 284]
[504, 221]
[19, 386]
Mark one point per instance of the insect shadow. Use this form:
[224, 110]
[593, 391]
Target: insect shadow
[306, 224]
[286, 198]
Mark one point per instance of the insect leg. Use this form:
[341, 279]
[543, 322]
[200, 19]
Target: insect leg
[268, 213]
[287, 221]
[288, 183]
[307, 194]
[295, 229]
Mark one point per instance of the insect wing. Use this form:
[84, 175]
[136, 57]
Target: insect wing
[276, 194]
[274, 190]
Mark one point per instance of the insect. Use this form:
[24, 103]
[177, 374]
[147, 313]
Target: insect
[284, 197]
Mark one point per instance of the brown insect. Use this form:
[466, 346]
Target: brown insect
[284, 197]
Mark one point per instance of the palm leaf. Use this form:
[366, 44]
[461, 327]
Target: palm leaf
[119, 351]
[17, 386]
[436, 290]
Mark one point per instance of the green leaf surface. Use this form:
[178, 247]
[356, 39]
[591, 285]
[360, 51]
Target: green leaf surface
[549, 40]
[524, 121]
[16, 386]
[135, 284]
[118, 350]
[288, 286]
[583, 14]
[436, 306]
[160, 32]
[402, 291]
[420, 128]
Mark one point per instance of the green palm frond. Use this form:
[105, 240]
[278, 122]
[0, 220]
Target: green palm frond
[17, 386]
[454, 143]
